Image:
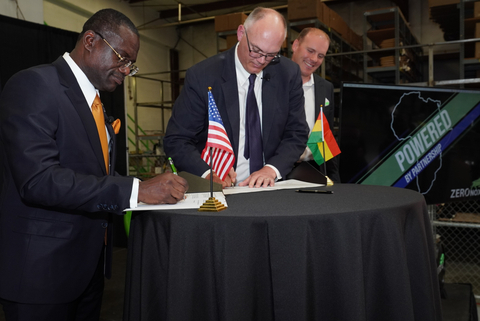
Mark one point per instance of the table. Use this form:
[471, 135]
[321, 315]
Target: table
[361, 253]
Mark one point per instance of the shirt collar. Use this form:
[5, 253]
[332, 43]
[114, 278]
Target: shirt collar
[88, 90]
[309, 83]
[242, 74]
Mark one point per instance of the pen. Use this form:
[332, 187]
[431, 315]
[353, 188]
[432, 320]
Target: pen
[314, 191]
[174, 169]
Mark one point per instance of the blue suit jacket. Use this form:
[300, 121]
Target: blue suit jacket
[55, 195]
[285, 131]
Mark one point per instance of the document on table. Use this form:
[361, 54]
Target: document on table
[288, 184]
[192, 200]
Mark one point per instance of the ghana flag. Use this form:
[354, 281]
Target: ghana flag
[321, 133]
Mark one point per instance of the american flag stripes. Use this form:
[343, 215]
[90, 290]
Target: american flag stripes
[222, 152]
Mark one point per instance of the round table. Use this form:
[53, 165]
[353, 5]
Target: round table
[361, 253]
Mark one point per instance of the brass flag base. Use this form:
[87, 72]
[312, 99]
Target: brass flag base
[329, 181]
[212, 205]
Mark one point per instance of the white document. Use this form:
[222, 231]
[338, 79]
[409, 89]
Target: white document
[288, 184]
[192, 200]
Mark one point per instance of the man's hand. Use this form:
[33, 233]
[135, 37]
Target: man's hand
[229, 180]
[166, 188]
[261, 178]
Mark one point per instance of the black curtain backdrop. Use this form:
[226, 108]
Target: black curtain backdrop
[26, 44]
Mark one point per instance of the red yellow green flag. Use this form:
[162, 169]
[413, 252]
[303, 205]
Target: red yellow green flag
[321, 134]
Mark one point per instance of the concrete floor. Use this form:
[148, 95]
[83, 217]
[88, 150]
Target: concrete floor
[112, 306]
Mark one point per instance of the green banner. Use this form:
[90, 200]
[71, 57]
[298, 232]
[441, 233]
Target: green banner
[425, 137]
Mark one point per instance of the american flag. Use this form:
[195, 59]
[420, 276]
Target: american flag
[222, 152]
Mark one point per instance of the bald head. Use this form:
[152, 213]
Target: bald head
[260, 38]
[269, 15]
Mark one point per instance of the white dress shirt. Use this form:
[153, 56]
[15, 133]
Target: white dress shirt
[309, 94]
[243, 165]
[89, 92]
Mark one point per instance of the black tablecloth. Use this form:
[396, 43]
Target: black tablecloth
[362, 253]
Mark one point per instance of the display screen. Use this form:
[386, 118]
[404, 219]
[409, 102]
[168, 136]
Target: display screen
[421, 138]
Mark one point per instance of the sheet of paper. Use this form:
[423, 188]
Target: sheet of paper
[192, 200]
[288, 184]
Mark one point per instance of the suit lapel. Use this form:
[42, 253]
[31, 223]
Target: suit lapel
[230, 92]
[74, 93]
[269, 102]
[319, 95]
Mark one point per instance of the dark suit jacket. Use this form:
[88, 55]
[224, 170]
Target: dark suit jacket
[55, 196]
[324, 89]
[285, 131]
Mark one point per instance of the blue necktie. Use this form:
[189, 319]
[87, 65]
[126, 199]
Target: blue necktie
[253, 133]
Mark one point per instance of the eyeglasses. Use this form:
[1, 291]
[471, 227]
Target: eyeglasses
[255, 53]
[127, 63]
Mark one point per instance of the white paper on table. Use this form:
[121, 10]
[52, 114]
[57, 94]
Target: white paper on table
[192, 200]
[288, 184]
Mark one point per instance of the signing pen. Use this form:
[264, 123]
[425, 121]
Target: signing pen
[174, 169]
[314, 191]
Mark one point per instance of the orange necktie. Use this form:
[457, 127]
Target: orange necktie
[97, 111]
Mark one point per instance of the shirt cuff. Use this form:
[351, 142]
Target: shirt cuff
[307, 155]
[206, 173]
[134, 195]
[276, 172]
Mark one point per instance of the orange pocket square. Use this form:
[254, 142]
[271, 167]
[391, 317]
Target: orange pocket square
[116, 125]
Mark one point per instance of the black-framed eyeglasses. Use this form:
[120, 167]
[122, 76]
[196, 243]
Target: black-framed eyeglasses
[255, 53]
[127, 63]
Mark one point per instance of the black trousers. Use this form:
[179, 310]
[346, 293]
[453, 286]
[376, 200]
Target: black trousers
[85, 308]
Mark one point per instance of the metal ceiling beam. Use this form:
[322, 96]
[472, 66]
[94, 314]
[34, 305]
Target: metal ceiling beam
[207, 7]
[185, 22]
[222, 5]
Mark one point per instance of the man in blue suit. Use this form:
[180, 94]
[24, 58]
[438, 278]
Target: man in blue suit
[279, 96]
[58, 186]
[309, 51]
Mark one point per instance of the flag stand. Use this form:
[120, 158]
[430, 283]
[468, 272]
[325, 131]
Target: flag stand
[329, 181]
[212, 204]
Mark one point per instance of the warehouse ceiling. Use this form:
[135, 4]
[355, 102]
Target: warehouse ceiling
[194, 9]
[175, 11]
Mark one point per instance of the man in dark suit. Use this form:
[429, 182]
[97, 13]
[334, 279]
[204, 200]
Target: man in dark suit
[309, 51]
[278, 91]
[58, 186]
